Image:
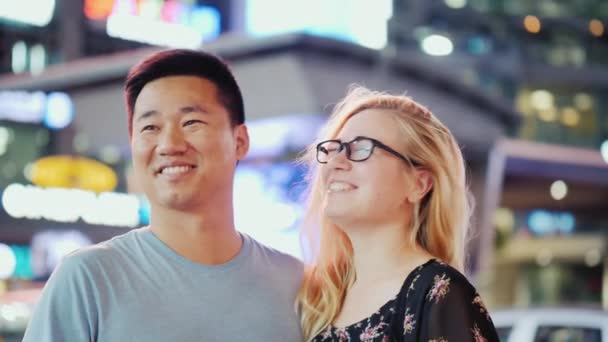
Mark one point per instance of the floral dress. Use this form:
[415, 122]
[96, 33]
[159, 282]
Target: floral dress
[435, 304]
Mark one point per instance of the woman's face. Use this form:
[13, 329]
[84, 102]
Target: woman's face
[373, 191]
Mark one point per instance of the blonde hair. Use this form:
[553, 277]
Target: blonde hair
[439, 222]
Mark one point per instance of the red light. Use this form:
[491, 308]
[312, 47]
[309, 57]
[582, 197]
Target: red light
[172, 11]
[98, 9]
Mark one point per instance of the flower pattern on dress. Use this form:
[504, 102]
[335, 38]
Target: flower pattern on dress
[327, 333]
[482, 307]
[343, 335]
[413, 284]
[371, 332]
[408, 323]
[441, 287]
[427, 291]
[477, 334]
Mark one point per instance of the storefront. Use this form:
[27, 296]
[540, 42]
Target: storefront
[546, 217]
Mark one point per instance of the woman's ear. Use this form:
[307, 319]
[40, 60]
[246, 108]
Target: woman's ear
[423, 183]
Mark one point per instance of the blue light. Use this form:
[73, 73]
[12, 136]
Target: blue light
[59, 111]
[546, 223]
[479, 45]
[541, 222]
[206, 20]
[23, 268]
[565, 222]
[262, 208]
[144, 210]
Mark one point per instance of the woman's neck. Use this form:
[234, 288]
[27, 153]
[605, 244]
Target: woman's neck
[384, 251]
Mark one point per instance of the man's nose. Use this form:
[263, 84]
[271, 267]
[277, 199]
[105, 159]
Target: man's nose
[172, 141]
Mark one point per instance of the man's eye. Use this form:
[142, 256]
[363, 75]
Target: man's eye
[191, 122]
[148, 128]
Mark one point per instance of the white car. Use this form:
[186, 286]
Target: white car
[551, 325]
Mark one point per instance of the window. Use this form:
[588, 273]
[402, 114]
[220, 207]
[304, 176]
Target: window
[570, 334]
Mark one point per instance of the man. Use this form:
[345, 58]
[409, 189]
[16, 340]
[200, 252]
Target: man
[189, 276]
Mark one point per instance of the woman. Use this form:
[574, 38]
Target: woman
[389, 207]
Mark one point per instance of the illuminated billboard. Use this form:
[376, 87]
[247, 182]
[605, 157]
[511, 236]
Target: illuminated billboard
[31, 12]
[158, 22]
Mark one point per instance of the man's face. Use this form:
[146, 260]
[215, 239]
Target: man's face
[183, 144]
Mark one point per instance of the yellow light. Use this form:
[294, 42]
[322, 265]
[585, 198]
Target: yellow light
[548, 115]
[27, 171]
[593, 258]
[583, 101]
[542, 99]
[544, 257]
[523, 103]
[532, 24]
[504, 220]
[456, 4]
[570, 116]
[73, 172]
[596, 27]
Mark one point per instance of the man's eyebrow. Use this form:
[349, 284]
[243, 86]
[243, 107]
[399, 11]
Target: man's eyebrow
[147, 114]
[183, 110]
[193, 108]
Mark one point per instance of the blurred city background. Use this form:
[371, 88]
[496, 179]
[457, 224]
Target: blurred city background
[522, 84]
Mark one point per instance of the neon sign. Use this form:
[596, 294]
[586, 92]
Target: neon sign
[339, 19]
[32, 12]
[158, 22]
[70, 205]
[54, 110]
[98, 9]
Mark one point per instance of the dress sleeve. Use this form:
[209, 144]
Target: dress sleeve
[64, 312]
[453, 312]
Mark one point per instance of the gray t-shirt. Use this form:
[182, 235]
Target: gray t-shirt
[135, 288]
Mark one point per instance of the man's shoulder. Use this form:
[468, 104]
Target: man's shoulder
[87, 258]
[274, 256]
[101, 253]
[272, 252]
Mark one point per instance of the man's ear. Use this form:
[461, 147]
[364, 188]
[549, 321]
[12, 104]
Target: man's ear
[242, 141]
[423, 183]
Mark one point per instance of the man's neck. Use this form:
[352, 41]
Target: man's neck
[209, 239]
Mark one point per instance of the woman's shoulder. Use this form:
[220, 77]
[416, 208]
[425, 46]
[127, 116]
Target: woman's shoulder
[436, 268]
[436, 278]
[448, 299]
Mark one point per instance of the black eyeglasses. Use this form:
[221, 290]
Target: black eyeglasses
[359, 149]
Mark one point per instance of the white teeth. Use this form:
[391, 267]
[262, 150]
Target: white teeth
[174, 170]
[340, 186]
